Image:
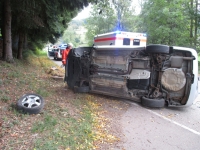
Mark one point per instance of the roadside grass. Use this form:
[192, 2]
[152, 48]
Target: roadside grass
[62, 124]
[68, 121]
[65, 131]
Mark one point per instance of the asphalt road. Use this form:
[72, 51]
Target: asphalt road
[58, 62]
[165, 128]
[156, 129]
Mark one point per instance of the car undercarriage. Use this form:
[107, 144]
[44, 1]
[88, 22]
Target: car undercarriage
[156, 75]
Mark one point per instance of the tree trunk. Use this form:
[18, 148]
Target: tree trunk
[2, 29]
[191, 23]
[20, 45]
[7, 44]
[25, 46]
[15, 41]
[196, 24]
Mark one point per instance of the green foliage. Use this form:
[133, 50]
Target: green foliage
[42, 92]
[4, 98]
[75, 33]
[36, 51]
[43, 53]
[166, 22]
[64, 131]
[65, 123]
[36, 47]
[100, 23]
[27, 53]
[13, 74]
[41, 21]
[125, 14]
[110, 16]
[48, 124]
[199, 63]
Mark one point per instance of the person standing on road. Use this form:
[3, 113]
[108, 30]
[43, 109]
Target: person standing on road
[65, 53]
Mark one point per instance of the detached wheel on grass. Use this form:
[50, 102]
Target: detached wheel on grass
[82, 89]
[149, 102]
[30, 103]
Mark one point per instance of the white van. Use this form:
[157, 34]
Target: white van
[120, 38]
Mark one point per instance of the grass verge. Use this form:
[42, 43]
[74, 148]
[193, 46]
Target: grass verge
[68, 121]
[64, 123]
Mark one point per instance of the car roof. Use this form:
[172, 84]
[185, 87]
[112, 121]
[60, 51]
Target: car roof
[62, 47]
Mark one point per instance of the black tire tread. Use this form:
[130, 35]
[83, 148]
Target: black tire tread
[82, 89]
[158, 48]
[157, 103]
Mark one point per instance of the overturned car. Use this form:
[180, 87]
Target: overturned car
[155, 75]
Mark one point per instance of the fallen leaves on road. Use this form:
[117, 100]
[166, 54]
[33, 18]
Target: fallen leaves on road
[100, 123]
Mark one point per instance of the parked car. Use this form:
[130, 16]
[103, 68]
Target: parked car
[50, 47]
[63, 45]
[52, 52]
[58, 54]
[155, 75]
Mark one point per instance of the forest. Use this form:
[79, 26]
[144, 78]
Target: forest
[170, 22]
[29, 25]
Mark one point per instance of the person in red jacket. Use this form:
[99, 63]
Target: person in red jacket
[65, 53]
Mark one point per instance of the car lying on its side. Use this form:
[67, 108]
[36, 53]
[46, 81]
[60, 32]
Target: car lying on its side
[155, 75]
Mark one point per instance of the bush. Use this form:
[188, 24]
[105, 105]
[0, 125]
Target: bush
[37, 51]
[27, 53]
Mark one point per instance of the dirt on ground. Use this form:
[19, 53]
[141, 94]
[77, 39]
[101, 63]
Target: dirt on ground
[112, 110]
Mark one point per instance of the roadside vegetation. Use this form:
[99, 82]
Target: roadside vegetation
[68, 121]
[173, 23]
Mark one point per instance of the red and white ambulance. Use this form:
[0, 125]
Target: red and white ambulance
[120, 38]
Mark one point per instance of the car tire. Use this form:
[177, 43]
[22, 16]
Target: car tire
[54, 58]
[30, 104]
[149, 102]
[82, 89]
[157, 48]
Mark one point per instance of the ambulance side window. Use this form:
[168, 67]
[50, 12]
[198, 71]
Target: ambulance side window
[126, 41]
[136, 42]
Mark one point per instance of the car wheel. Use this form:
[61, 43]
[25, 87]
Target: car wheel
[82, 89]
[149, 102]
[156, 48]
[54, 58]
[30, 103]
